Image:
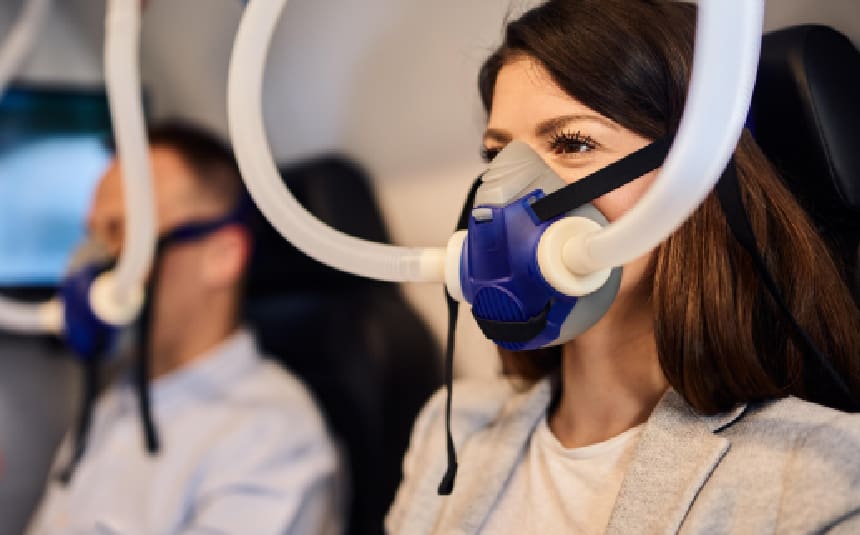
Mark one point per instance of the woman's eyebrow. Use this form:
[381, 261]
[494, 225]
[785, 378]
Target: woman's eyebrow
[499, 136]
[550, 126]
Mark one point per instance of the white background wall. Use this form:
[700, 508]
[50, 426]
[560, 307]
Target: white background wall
[390, 82]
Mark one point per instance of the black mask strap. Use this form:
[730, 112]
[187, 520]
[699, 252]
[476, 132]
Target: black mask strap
[144, 356]
[183, 234]
[446, 486]
[729, 194]
[604, 180]
[90, 377]
[89, 392]
[197, 230]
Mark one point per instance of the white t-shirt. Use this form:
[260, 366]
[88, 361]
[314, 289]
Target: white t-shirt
[244, 449]
[556, 490]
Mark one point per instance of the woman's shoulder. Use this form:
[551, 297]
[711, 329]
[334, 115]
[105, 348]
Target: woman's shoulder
[803, 429]
[815, 451]
[801, 419]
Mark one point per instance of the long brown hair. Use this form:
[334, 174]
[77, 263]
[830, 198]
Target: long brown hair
[720, 338]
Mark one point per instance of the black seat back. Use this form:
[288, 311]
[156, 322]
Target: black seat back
[363, 351]
[806, 118]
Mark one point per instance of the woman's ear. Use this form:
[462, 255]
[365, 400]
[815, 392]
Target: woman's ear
[225, 257]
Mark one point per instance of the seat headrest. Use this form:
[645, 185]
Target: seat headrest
[806, 114]
[337, 191]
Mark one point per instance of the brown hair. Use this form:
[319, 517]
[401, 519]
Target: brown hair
[720, 338]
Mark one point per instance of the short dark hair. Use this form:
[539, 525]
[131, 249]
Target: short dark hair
[208, 156]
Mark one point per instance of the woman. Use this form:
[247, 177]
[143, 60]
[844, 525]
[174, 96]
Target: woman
[688, 407]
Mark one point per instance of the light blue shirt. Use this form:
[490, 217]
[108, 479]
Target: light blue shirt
[244, 449]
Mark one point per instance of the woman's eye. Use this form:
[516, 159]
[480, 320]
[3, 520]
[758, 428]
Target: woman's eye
[571, 143]
[489, 154]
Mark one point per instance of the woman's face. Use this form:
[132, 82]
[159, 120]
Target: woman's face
[572, 139]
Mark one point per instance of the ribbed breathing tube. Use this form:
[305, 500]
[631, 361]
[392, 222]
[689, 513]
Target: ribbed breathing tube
[726, 57]
[116, 296]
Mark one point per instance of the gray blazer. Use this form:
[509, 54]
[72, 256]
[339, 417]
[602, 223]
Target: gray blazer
[780, 467]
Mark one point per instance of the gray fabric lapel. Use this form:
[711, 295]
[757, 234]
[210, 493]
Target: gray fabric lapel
[676, 454]
[488, 460]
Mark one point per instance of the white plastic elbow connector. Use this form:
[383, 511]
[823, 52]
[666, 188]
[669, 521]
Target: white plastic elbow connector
[453, 261]
[106, 305]
[559, 259]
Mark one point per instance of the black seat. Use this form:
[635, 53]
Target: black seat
[806, 118]
[363, 351]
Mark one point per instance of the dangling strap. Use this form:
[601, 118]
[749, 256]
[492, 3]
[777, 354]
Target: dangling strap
[141, 383]
[729, 195]
[183, 234]
[90, 378]
[447, 484]
[144, 356]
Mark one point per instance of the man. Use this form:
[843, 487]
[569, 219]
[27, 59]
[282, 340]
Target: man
[243, 447]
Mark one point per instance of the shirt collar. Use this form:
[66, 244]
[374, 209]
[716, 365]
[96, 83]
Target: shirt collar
[678, 451]
[211, 373]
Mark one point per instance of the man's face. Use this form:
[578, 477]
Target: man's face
[185, 277]
[178, 199]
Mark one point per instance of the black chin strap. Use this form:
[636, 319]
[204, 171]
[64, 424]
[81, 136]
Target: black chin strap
[729, 194]
[514, 331]
[447, 484]
[143, 358]
[90, 377]
[185, 233]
